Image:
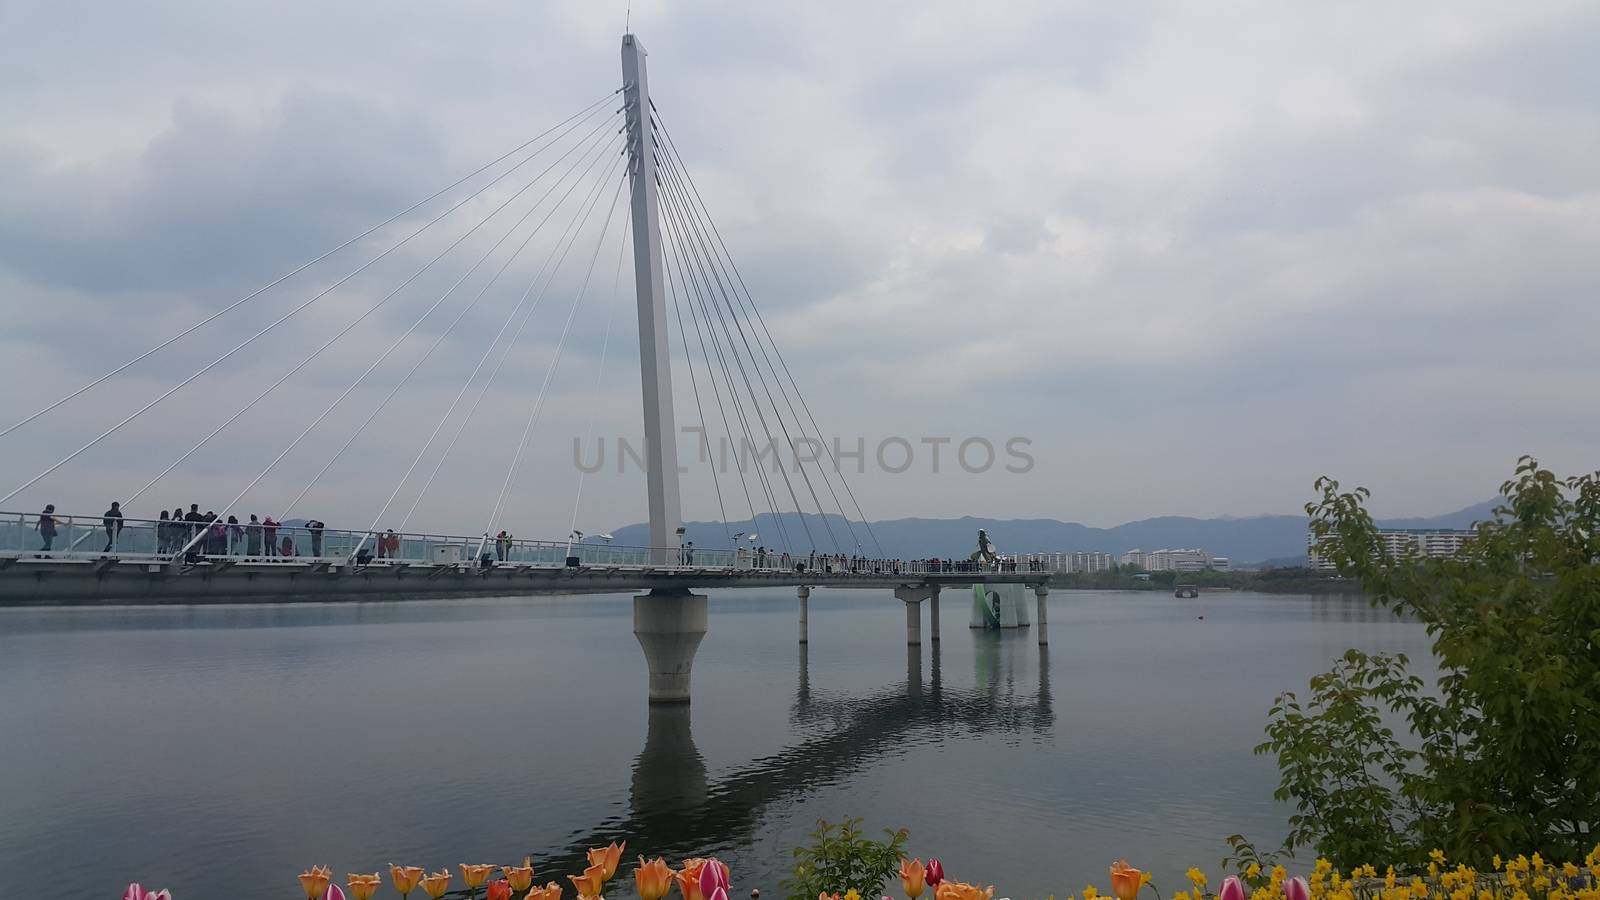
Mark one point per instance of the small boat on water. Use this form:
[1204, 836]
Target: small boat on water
[1185, 591]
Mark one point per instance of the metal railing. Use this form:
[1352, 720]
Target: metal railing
[60, 536]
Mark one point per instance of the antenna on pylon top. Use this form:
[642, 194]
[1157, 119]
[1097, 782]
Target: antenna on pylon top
[627, 18]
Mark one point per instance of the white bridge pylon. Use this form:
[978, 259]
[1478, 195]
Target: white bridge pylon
[655, 359]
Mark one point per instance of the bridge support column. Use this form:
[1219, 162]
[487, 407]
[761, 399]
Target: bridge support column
[805, 614]
[912, 596]
[1042, 592]
[933, 612]
[669, 624]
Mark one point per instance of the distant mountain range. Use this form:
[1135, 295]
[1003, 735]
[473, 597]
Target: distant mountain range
[1248, 541]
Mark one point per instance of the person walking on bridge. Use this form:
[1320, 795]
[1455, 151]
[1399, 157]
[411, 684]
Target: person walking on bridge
[315, 526]
[113, 523]
[252, 537]
[46, 526]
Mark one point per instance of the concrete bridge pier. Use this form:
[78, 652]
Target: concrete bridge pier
[933, 613]
[669, 623]
[1042, 592]
[805, 613]
[912, 596]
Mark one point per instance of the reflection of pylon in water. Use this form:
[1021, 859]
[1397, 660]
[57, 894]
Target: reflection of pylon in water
[999, 606]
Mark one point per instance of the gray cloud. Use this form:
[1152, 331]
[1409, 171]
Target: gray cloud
[1198, 255]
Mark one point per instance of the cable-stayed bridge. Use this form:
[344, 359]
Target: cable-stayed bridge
[562, 193]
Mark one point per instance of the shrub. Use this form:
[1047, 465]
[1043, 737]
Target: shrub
[840, 858]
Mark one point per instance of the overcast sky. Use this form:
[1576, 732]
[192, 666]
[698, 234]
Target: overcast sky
[1196, 254]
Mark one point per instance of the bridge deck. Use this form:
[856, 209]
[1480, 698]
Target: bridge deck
[25, 580]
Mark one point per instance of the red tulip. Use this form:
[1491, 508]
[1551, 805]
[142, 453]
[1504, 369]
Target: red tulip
[1232, 889]
[1296, 889]
[935, 873]
[499, 890]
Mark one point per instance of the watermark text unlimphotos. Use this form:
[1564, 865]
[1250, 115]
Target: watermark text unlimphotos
[893, 455]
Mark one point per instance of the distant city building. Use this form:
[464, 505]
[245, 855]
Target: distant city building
[1194, 560]
[1091, 561]
[1437, 543]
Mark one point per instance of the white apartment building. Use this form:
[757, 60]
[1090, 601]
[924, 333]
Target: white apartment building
[1194, 560]
[1438, 543]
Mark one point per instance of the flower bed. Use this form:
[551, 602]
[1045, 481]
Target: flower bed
[1522, 878]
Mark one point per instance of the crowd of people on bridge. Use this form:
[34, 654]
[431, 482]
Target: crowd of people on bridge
[197, 534]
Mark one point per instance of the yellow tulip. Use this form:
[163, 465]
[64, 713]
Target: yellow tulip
[437, 883]
[551, 891]
[590, 883]
[1125, 880]
[689, 879]
[955, 890]
[315, 882]
[653, 878]
[476, 875]
[363, 887]
[913, 877]
[520, 877]
[405, 878]
[607, 858]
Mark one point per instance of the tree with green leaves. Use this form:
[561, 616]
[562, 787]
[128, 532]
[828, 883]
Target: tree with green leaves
[1502, 753]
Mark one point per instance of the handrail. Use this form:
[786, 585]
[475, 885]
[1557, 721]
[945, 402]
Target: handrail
[86, 537]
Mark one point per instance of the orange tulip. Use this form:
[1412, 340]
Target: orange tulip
[437, 883]
[689, 879]
[476, 875]
[551, 891]
[520, 877]
[498, 890]
[912, 875]
[607, 858]
[363, 887]
[590, 883]
[654, 879]
[405, 878]
[955, 890]
[315, 882]
[1125, 880]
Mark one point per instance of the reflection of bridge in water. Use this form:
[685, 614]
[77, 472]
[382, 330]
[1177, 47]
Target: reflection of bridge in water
[676, 809]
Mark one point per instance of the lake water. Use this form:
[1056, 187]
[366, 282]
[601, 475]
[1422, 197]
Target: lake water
[219, 751]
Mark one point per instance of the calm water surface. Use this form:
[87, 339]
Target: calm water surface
[220, 750]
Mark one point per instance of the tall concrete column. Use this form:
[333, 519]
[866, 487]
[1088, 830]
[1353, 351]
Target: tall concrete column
[933, 612]
[805, 613]
[1042, 592]
[669, 624]
[655, 362]
[912, 596]
[914, 623]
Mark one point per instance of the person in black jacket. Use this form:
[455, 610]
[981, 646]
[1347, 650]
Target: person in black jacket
[113, 522]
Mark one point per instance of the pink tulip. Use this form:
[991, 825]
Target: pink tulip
[718, 894]
[936, 874]
[136, 891]
[1232, 889]
[1296, 889]
[714, 875]
[334, 892]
